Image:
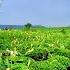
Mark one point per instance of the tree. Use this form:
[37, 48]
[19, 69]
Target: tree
[28, 25]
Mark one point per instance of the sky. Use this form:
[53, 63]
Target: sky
[36, 12]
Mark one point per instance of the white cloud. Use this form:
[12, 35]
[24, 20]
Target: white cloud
[1, 1]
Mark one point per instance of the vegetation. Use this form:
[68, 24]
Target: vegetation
[35, 49]
[28, 25]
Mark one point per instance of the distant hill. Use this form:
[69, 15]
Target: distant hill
[11, 26]
[39, 26]
[19, 26]
[22, 26]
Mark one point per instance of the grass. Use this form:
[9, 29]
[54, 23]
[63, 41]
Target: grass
[27, 46]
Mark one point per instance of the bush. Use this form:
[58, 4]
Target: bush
[28, 25]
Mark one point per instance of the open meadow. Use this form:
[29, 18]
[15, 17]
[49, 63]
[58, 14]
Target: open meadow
[35, 49]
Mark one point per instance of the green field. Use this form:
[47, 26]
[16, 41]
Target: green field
[35, 49]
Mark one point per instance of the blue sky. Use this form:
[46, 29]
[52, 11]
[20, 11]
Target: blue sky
[37, 12]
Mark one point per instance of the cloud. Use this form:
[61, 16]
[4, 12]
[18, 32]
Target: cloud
[1, 1]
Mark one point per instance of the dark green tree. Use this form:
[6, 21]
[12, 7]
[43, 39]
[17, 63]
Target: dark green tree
[28, 25]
